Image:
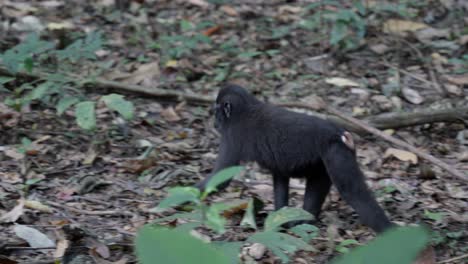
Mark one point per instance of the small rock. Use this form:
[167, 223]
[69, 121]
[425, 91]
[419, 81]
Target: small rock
[454, 89]
[362, 93]
[318, 64]
[397, 102]
[380, 48]
[257, 251]
[29, 24]
[382, 102]
[463, 157]
[411, 95]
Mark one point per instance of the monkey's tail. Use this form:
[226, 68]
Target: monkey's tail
[343, 169]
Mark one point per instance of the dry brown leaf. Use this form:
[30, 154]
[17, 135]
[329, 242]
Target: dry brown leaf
[402, 155]
[400, 27]
[229, 10]
[341, 82]
[90, 157]
[170, 115]
[145, 72]
[457, 79]
[200, 3]
[62, 246]
[412, 95]
[13, 153]
[456, 191]
[13, 214]
[36, 205]
[212, 30]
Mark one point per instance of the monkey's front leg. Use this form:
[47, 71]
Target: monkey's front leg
[280, 191]
[228, 156]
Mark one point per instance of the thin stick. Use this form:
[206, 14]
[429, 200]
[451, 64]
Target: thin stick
[87, 212]
[454, 259]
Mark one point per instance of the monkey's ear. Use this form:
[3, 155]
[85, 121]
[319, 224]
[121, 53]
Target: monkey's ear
[227, 109]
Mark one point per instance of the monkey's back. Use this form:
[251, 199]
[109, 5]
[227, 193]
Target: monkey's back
[293, 142]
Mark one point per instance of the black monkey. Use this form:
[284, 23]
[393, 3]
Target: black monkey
[291, 144]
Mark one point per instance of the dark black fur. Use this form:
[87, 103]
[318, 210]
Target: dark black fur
[291, 144]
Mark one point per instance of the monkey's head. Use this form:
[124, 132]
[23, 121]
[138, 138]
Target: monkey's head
[232, 103]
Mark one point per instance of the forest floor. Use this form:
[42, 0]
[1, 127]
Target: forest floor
[400, 56]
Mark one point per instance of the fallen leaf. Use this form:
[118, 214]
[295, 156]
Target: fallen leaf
[59, 26]
[170, 115]
[341, 82]
[402, 155]
[456, 191]
[36, 205]
[8, 116]
[34, 237]
[90, 157]
[229, 10]
[426, 35]
[457, 79]
[62, 246]
[144, 72]
[14, 153]
[200, 3]
[212, 30]
[400, 27]
[411, 95]
[14, 214]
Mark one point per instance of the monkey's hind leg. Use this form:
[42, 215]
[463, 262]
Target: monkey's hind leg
[280, 191]
[317, 188]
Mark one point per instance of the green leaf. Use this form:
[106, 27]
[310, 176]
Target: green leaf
[117, 103]
[305, 231]
[343, 246]
[4, 80]
[33, 181]
[85, 115]
[249, 216]
[194, 215]
[286, 214]
[40, 91]
[230, 249]
[185, 25]
[221, 177]
[249, 54]
[214, 219]
[438, 217]
[15, 58]
[178, 196]
[28, 64]
[161, 245]
[64, 103]
[338, 33]
[279, 242]
[398, 245]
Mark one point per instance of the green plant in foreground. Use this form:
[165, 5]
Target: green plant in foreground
[157, 243]
[58, 89]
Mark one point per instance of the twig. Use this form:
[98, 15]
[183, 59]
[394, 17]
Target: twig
[149, 91]
[454, 259]
[80, 211]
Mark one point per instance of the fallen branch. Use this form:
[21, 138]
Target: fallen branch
[149, 91]
[399, 143]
